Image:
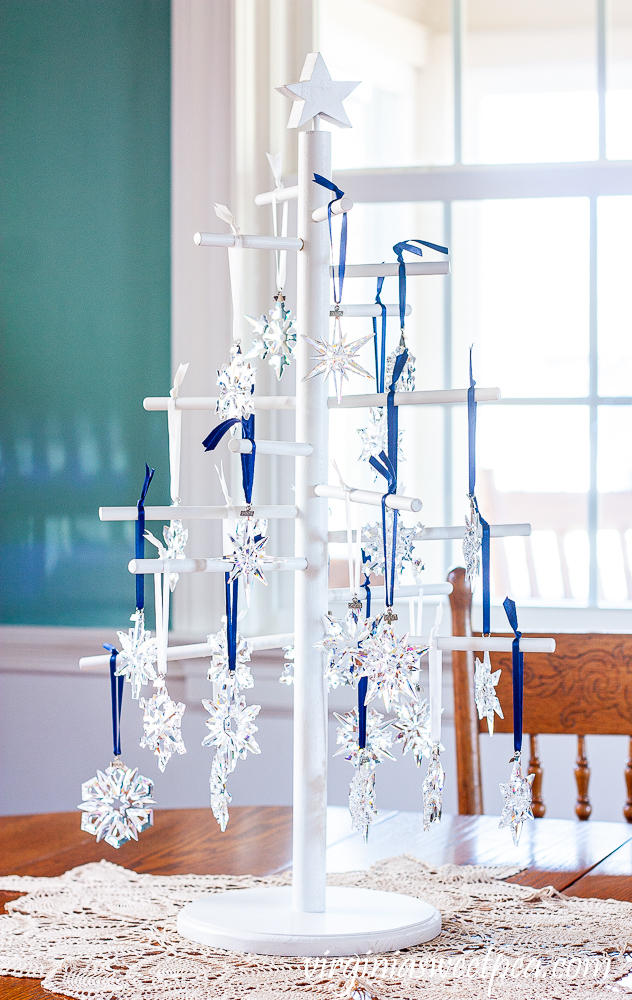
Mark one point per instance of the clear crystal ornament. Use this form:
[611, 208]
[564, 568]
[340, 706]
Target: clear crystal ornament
[248, 557]
[362, 798]
[406, 381]
[274, 337]
[342, 644]
[116, 804]
[236, 382]
[162, 719]
[433, 789]
[219, 672]
[485, 681]
[390, 664]
[413, 729]
[287, 677]
[138, 655]
[373, 545]
[337, 357]
[517, 796]
[176, 537]
[374, 436]
[220, 796]
[231, 728]
[472, 540]
[378, 741]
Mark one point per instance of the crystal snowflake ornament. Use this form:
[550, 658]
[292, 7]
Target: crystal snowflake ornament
[219, 672]
[391, 665]
[362, 798]
[220, 796]
[373, 545]
[248, 556]
[517, 800]
[231, 728]
[485, 681]
[176, 537]
[406, 381]
[472, 540]
[236, 382]
[378, 739]
[374, 436]
[274, 337]
[138, 654]
[342, 644]
[162, 719]
[116, 804]
[337, 357]
[433, 789]
[413, 729]
[287, 677]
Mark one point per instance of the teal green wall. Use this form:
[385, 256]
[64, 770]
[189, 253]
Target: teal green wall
[84, 297]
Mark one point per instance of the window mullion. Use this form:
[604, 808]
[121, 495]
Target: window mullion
[602, 28]
[593, 360]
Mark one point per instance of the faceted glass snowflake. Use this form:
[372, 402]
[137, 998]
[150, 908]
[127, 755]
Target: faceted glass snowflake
[274, 338]
[236, 382]
[337, 357]
[373, 545]
[176, 538]
[248, 556]
[406, 381]
[413, 729]
[287, 677]
[231, 728]
[472, 547]
[220, 796]
[342, 643]
[162, 719]
[375, 436]
[433, 789]
[485, 681]
[362, 799]
[138, 654]
[517, 800]
[391, 665]
[231, 681]
[378, 738]
[116, 804]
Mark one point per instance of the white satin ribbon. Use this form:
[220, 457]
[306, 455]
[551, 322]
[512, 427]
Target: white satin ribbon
[276, 165]
[435, 671]
[354, 552]
[236, 270]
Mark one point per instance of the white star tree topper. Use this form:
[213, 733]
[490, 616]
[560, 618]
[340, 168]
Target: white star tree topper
[317, 94]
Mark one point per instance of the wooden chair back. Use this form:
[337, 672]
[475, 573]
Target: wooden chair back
[584, 688]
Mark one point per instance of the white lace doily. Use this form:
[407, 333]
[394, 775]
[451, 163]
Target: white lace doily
[102, 932]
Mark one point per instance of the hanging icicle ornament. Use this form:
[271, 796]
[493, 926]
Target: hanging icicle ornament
[373, 545]
[287, 677]
[472, 546]
[413, 729]
[220, 796]
[162, 719]
[234, 680]
[362, 799]
[485, 681]
[377, 741]
[342, 644]
[476, 537]
[517, 792]
[116, 803]
[432, 789]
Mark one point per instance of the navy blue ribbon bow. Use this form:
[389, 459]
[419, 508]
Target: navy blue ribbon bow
[116, 691]
[211, 442]
[517, 669]
[342, 258]
[139, 538]
[398, 250]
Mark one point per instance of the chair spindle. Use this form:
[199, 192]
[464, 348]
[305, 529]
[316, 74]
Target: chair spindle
[583, 808]
[627, 809]
[535, 767]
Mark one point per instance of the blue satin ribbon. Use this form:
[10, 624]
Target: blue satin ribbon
[485, 575]
[116, 690]
[380, 353]
[398, 250]
[385, 468]
[362, 688]
[342, 259]
[392, 413]
[517, 669]
[211, 442]
[232, 598]
[471, 432]
[139, 538]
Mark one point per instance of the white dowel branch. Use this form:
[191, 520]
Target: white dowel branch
[371, 497]
[370, 309]
[210, 402]
[478, 643]
[248, 242]
[196, 513]
[391, 270]
[452, 532]
[280, 194]
[242, 446]
[401, 593]
[194, 651]
[424, 397]
[207, 565]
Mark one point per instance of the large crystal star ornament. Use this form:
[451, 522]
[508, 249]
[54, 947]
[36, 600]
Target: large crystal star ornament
[236, 382]
[485, 681]
[162, 719]
[317, 94]
[337, 357]
[391, 665]
[275, 338]
[231, 728]
[433, 789]
[138, 654]
[248, 557]
[413, 729]
[342, 644]
[362, 799]
[378, 739]
[230, 681]
[517, 797]
[116, 804]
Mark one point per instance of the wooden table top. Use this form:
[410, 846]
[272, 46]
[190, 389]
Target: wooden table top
[579, 859]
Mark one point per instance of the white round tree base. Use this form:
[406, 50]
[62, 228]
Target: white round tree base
[356, 922]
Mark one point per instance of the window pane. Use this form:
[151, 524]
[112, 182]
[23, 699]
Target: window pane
[614, 482]
[619, 92]
[529, 82]
[402, 111]
[524, 305]
[614, 218]
[533, 467]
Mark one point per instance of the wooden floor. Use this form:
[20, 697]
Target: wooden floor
[579, 859]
